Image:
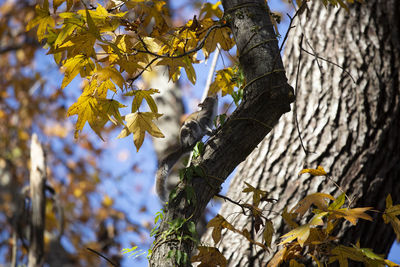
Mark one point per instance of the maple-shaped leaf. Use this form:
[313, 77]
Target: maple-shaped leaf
[88, 110]
[66, 31]
[219, 223]
[208, 257]
[143, 94]
[92, 28]
[343, 254]
[390, 216]
[221, 36]
[300, 233]
[110, 108]
[257, 193]
[352, 215]
[224, 82]
[104, 74]
[138, 124]
[175, 65]
[210, 10]
[289, 217]
[43, 19]
[318, 199]
[75, 65]
[319, 171]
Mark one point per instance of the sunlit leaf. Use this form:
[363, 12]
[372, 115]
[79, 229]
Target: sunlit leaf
[138, 124]
[43, 19]
[319, 171]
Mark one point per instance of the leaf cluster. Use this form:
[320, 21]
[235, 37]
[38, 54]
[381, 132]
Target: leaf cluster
[108, 47]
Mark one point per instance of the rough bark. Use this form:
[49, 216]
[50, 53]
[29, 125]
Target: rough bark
[353, 127]
[267, 93]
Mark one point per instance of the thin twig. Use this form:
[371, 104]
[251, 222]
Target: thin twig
[199, 46]
[104, 257]
[330, 62]
[131, 80]
[232, 201]
[295, 103]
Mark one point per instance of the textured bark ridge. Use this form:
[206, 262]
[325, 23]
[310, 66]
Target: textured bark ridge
[353, 128]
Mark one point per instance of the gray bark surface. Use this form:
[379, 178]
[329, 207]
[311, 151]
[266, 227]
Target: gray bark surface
[37, 185]
[352, 128]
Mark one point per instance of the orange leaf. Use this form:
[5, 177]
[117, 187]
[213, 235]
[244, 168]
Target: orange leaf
[319, 171]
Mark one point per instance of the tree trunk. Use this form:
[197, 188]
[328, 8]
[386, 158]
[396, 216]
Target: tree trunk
[267, 92]
[37, 185]
[353, 128]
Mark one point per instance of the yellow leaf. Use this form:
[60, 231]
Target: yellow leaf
[110, 108]
[143, 94]
[220, 36]
[319, 171]
[338, 203]
[343, 254]
[257, 193]
[301, 233]
[92, 26]
[138, 124]
[87, 109]
[353, 214]
[317, 219]
[107, 201]
[96, 111]
[190, 72]
[219, 223]
[294, 263]
[174, 67]
[75, 65]
[209, 10]
[104, 74]
[278, 258]
[77, 192]
[224, 82]
[318, 199]
[390, 216]
[66, 31]
[209, 256]
[43, 19]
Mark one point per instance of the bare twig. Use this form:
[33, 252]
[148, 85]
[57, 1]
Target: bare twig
[295, 103]
[102, 256]
[330, 62]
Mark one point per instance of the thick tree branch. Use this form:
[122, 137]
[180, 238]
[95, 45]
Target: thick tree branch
[264, 102]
